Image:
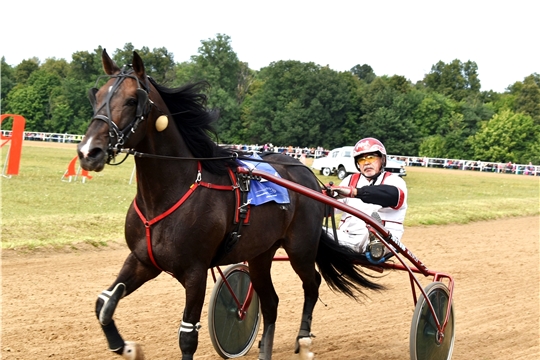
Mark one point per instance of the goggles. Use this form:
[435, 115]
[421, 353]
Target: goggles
[369, 158]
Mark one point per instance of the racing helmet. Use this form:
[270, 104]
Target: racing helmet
[369, 145]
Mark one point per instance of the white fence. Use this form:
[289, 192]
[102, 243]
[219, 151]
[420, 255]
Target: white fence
[458, 164]
[42, 136]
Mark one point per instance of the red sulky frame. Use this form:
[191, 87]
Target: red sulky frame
[395, 246]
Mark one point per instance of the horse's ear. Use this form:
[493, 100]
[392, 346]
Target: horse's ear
[109, 66]
[138, 66]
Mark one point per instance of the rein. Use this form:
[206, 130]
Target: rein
[234, 156]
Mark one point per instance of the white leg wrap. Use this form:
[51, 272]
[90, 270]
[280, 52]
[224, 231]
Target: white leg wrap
[106, 295]
[132, 351]
[305, 347]
[110, 300]
[187, 327]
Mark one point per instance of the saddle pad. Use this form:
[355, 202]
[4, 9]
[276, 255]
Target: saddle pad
[264, 191]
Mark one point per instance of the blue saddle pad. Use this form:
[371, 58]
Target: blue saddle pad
[263, 191]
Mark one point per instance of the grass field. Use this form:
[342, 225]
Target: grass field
[38, 209]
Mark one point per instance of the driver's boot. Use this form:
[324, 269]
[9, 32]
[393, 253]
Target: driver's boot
[375, 247]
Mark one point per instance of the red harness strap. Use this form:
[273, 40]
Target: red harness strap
[149, 223]
[356, 177]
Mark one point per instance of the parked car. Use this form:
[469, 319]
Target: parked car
[341, 163]
[395, 166]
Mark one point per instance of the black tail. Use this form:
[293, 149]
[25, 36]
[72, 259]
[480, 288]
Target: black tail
[337, 266]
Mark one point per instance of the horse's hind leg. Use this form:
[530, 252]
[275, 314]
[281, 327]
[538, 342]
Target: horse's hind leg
[259, 271]
[132, 275]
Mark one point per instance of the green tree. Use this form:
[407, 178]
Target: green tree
[364, 72]
[532, 152]
[56, 67]
[61, 116]
[185, 73]
[300, 104]
[387, 107]
[431, 115]
[71, 95]
[527, 97]
[25, 101]
[158, 63]
[33, 99]
[72, 110]
[218, 64]
[25, 69]
[456, 80]
[85, 66]
[472, 113]
[7, 82]
[123, 56]
[433, 146]
[507, 136]
[439, 117]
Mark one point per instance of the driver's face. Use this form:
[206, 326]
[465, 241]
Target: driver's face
[370, 164]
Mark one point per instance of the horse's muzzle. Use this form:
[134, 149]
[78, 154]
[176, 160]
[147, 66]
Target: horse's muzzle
[91, 159]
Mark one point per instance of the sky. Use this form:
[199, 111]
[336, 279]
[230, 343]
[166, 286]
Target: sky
[394, 37]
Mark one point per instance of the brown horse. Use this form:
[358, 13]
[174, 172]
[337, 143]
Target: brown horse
[181, 217]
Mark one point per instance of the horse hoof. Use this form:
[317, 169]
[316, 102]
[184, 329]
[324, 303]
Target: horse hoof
[305, 345]
[132, 351]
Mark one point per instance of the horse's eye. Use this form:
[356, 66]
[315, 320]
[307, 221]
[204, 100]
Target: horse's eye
[131, 102]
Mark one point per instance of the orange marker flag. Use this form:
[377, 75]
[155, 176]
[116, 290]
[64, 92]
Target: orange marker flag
[16, 139]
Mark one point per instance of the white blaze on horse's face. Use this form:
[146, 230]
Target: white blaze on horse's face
[85, 149]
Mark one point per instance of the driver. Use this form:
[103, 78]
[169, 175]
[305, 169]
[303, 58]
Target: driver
[378, 193]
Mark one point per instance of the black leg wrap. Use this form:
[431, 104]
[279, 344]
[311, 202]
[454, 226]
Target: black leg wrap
[305, 331]
[116, 343]
[267, 343]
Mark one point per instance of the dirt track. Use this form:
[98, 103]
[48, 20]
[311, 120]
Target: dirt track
[48, 302]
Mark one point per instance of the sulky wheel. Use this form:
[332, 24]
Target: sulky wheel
[423, 343]
[232, 336]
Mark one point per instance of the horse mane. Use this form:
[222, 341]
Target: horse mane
[194, 120]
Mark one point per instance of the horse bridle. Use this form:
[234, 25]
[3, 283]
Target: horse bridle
[118, 137]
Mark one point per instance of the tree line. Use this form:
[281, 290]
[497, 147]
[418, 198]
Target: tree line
[303, 104]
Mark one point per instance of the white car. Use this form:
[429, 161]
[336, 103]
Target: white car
[395, 166]
[340, 162]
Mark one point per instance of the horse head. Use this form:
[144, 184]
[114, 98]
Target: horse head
[120, 106]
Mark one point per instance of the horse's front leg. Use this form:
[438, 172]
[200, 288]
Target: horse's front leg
[188, 334]
[131, 277]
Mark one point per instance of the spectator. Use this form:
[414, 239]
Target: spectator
[509, 167]
[529, 169]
